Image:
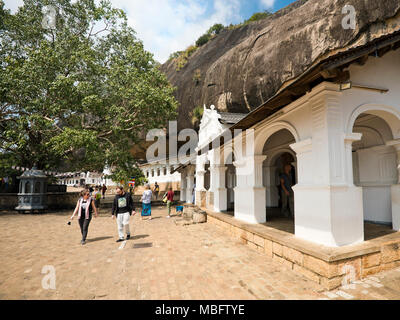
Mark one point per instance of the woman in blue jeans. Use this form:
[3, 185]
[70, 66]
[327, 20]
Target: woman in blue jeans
[84, 208]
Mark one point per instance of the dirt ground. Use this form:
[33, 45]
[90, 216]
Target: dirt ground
[42, 258]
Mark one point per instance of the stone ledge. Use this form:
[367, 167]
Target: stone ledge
[329, 268]
[329, 254]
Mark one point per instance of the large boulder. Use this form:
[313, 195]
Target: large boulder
[240, 69]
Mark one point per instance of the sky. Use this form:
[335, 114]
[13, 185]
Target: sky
[166, 26]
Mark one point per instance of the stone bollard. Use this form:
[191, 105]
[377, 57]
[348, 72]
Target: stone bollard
[199, 217]
[191, 215]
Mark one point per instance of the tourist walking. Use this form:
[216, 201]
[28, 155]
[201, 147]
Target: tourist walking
[156, 190]
[97, 197]
[146, 202]
[123, 208]
[287, 192]
[84, 208]
[103, 190]
[170, 199]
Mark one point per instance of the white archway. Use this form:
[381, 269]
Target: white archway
[267, 132]
[388, 113]
[375, 160]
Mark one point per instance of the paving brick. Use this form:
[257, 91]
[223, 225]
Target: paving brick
[307, 273]
[390, 252]
[277, 249]
[258, 241]
[371, 260]
[268, 247]
[292, 255]
[181, 262]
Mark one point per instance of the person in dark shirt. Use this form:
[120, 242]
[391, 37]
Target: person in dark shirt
[123, 208]
[103, 190]
[156, 190]
[170, 199]
[287, 192]
[84, 208]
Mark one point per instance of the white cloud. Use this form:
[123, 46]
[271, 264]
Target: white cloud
[166, 26]
[268, 3]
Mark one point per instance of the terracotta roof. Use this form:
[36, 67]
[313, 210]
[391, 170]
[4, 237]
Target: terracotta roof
[230, 117]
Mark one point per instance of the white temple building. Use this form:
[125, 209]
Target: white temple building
[341, 136]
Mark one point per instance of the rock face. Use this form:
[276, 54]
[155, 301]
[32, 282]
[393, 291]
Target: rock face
[240, 69]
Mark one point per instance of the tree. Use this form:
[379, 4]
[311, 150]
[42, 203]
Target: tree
[216, 29]
[258, 16]
[202, 40]
[81, 91]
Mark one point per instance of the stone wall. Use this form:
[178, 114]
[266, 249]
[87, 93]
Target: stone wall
[8, 201]
[331, 272]
[55, 201]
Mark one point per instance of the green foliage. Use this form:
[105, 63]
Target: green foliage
[258, 16]
[203, 40]
[255, 17]
[80, 93]
[197, 76]
[183, 58]
[196, 115]
[126, 173]
[175, 55]
[216, 29]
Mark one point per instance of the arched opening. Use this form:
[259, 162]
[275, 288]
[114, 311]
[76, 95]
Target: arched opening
[375, 167]
[279, 155]
[207, 176]
[230, 182]
[27, 187]
[37, 187]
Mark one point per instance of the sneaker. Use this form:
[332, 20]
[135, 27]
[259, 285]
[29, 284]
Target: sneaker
[128, 236]
[120, 240]
[83, 242]
[168, 217]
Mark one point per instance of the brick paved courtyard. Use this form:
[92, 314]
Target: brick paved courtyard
[162, 261]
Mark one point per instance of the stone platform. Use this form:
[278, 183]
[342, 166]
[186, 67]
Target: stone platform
[331, 267]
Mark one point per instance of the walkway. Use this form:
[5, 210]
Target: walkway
[162, 261]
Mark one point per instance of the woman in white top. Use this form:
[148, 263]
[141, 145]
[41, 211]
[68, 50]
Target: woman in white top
[146, 202]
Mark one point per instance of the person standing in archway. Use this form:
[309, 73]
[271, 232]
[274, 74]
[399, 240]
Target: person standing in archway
[287, 191]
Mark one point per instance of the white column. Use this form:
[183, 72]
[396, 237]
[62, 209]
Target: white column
[250, 192]
[189, 184]
[217, 174]
[271, 191]
[183, 186]
[328, 207]
[395, 189]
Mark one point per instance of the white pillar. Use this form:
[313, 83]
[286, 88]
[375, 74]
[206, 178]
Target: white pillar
[183, 186]
[250, 192]
[328, 207]
[189, 184]
[395, 189]
[217, 174]
[271, 191]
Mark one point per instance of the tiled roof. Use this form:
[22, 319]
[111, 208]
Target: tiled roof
[230, 117]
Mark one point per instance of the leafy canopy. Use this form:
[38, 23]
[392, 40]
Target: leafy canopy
[77, 93]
